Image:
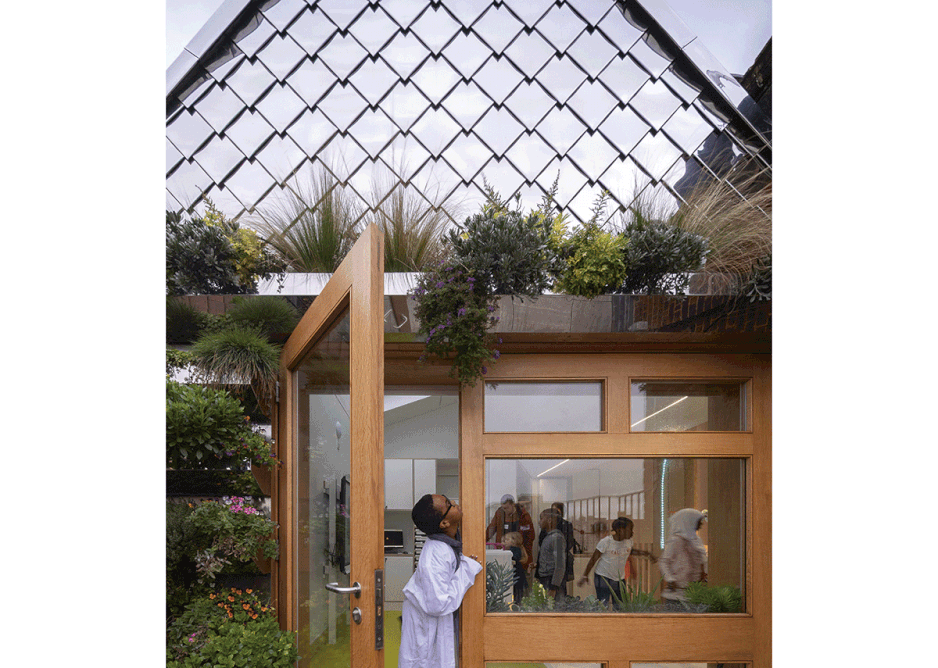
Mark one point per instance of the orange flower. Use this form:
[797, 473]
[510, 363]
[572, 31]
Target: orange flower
[231, 598]
[246, 606]
[238, 592]
[254, 616]
[263, 609]
[221, 605]
[250, 591]
[229, 614]
[211, 595]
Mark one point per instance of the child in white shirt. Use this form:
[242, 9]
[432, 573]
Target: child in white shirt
[613, 558]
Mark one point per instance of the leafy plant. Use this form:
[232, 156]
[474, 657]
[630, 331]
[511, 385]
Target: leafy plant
[184, 322]
[206, 428]
[314, 226]
[229, 628]
[177, 359]
[659, 255]
[506, 251]
[499, 583]
[594, 258]
[758, 285]
[182, 544]
[537, 600]
[723, 598]
[239, 355]
[455, 312]
[268, 314]
[628, 599]
[237, 532]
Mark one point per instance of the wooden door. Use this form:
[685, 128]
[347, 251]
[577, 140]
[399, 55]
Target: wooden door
[331, 487]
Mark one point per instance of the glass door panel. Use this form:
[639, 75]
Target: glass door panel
[323, 460]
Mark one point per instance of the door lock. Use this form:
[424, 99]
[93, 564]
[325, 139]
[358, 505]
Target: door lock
[357, 615]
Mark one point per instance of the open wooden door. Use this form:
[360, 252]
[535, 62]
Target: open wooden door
[330, 494]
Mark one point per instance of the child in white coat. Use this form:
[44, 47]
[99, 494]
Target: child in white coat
[436, 589]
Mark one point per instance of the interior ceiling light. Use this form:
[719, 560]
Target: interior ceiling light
[552, 468]
[659, 411]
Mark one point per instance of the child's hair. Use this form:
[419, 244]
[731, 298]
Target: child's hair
[558, 506]
[553, 514]
[426, 516]
[512, 538]
[622, 522]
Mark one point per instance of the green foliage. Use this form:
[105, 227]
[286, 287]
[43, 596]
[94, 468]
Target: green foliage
[229, 628]
[177, 359]
[506, 251]
[717, 599]
[455, 312]
[212, 255]
[207, 428]
[239, 355]
[499, 583]
[629, 599]
[758, 285]
[537, 600]
[237, 531]
[314, 226]
[594, 258]
[183, 321]
[658, 255]
[270, 315]
[182, 544]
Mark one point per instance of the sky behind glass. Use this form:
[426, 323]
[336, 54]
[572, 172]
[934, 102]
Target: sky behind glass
[733, 30]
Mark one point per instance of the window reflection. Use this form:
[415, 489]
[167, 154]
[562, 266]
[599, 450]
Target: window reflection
[626, 535]
[688, 406]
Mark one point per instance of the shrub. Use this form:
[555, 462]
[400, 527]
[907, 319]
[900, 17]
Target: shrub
[507, 252]
[236, 531]
[758, 285]
[455, 314]
[267, 314]
[207, 428]
[717, 599]
[594, 258]
[629, 599]
[659, 255]
[183, 321]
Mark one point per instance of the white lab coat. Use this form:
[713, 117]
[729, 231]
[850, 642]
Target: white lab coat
[431, 596]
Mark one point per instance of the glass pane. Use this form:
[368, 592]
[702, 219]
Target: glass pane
[653, 535]
[552, 664]
[571, 406]
[685, 664]
[688, 406]
[324, 488]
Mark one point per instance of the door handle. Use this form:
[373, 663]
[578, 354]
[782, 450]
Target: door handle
[356, 589]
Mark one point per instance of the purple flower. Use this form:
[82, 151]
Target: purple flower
[499, 339]
[471, 279]
[461, 312]
[497, 354]
[439, 284]
[484, 371]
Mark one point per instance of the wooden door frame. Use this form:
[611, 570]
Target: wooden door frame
[358, 285]
[744, 638]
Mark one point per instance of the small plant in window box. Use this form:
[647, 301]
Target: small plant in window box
[237, 531]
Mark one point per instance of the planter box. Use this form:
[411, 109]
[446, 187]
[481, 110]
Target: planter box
[262, 562]
[263, 475]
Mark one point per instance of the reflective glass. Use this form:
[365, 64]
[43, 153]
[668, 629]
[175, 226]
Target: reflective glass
[624, 180]
[624, 535]
[404, 157]
[373, 29]
[280, 56]
[529, 52]
[655, 154]
[623, 77]
[582, 204]
[254, 34]
[187, 183]
[467, 103]
[498, 129]
[662, 405]
[219, 107]
[249, 183]
[652, 61]
[498, 27]
[373, 130]
[502, 172]
[687, 129]
[435, 130]
[591, 10]
[342, 157]
[528, 11]
[342, 55]
[435, 28]
[466, 155]
[530, 154]
[618, 30]
[467, 11]
[592, 52]
[373, 80]
[592, 154]
[404, 53]
[680, 85]
[592, 102]
[312, 30]
[196, 90]
[188, 132]
[225, 61]
[724, 81]
[404, 104]
[342, 12]
[250, 81]
[219, 157]
[530, 103]
[311, 81]
[342, 105]
[560, 26]
[655, 103]
[435, 79]
[561, 77]
[249, 131]
[281, 13]
[281, 157]
[552, 664]
[498, 77]
[569, 179]
[467, 53]
[281, 106]
[324, 501]
[311, 131]
[685, 664]
[561, 129]
[549, 406]
[402, 11]
[173, 156]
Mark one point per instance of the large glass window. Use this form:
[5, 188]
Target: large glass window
[681, 405]
[547, 406]
[662, 535]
